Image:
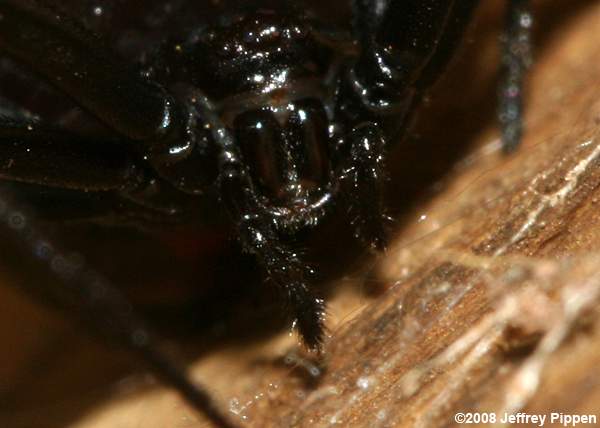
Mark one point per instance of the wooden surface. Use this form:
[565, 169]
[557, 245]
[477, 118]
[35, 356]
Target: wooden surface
[486, 301]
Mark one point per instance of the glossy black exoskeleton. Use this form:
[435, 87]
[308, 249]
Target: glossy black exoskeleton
[265, 110]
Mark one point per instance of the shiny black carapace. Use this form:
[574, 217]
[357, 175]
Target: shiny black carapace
[262, 108]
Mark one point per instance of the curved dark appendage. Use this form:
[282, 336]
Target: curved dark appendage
[63, 280]
[77, 61]
[258, 234]
[516, 59]
[287, 271]
[80, 64]
[398, 40]
[36, 154]
[366, 176]
[284, 268]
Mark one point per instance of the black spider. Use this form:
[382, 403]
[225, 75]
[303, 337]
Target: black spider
[265, 110]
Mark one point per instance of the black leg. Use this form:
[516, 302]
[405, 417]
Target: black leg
[63, 279]
[407, 43]
[258, 234]
[399, 39]
[37, 154]
[516, 59]
[366, 176]
[80, 64]
[405, 46]
[284, 268]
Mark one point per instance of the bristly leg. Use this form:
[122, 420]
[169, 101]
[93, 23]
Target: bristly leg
[258, 235]
[283, 267]
[405, 46]
[286, 270]
[516, 59]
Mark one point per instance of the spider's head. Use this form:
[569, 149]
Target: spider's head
[263, 73]
[266, 71]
